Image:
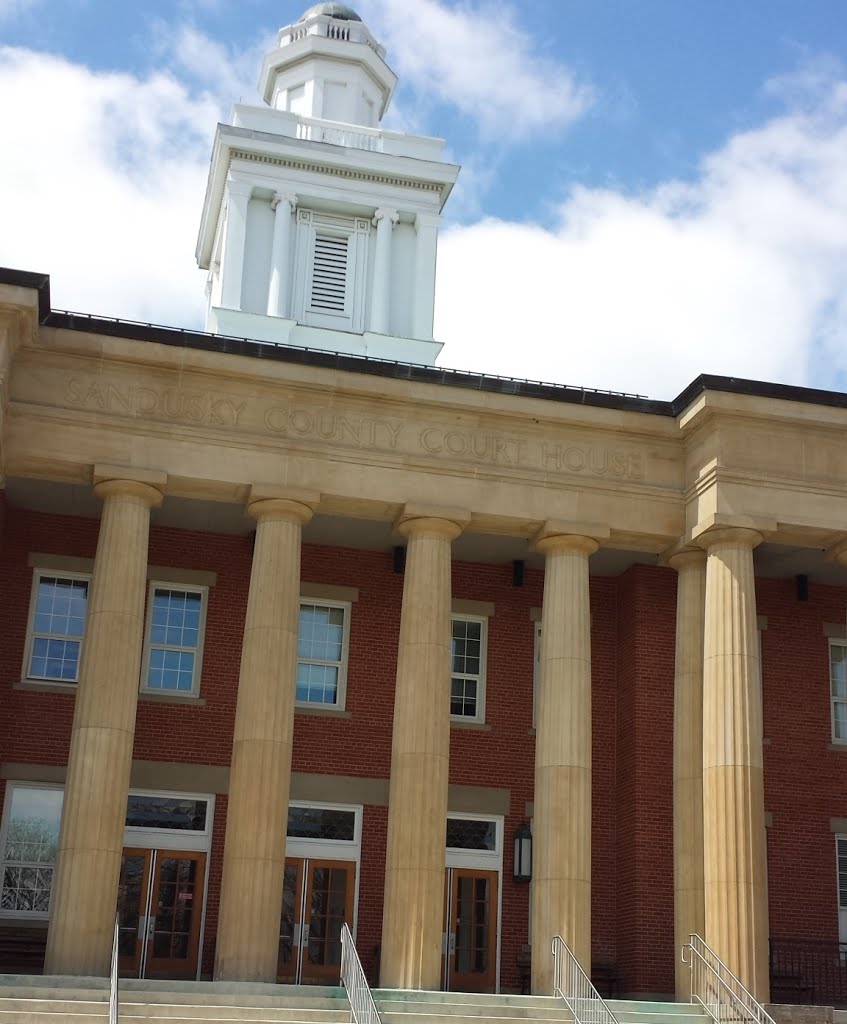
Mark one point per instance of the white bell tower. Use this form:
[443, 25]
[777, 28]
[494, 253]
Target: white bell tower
[319, 228]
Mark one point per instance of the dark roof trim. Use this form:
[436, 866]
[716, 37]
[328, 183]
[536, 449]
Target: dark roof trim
[28, 279]
[410, 371]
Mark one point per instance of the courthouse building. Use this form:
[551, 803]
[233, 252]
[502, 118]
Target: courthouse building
[300, 629]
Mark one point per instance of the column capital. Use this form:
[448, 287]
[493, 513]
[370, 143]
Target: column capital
[284, 197]
[684, 558]
[149, 485]
[837, 552]
[282, 502]
[386, 213]
[560, 535]
[733, 536]
[416, 519]
[427, 220]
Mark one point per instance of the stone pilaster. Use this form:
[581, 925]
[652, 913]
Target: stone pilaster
[412, 921]
[561, 871]
[689, 910]
[91, 837]
[736, 910]
[235, 239]
[257, 816]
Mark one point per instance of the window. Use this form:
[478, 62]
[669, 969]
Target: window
[28, 842]
[174, 642]
[330, 270]
[467, 683]
[322, 653]
[57, 625]
[838, 689]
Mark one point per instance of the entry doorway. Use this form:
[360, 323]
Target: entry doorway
[160, 902]
[317, 900]
[470, 915]
[472, 883]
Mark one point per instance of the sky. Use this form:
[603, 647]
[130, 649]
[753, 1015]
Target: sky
[650, 189]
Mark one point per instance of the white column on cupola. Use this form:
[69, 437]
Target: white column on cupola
[280, 284]
[384, 219]
[232, 268]
[426, 230]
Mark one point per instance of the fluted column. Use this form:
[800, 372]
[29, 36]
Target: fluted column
[235, 239]
[385, 220]
[420, 754]
[280, 283]
[689, 911]
[561, 870]
[735, 867]
[91, 836]
[257, 816]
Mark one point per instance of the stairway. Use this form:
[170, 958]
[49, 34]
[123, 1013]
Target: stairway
[32, 999]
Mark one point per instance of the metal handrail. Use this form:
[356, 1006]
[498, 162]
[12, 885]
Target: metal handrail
[574, 986]
[721, 994]
[113, 977]
[362, 1006]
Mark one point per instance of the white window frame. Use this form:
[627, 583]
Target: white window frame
[833, 700]
[149, 645]
[31, 633]
[172, 838]
[22, 915]
[841, 884]
[479, 717]
[341, 693]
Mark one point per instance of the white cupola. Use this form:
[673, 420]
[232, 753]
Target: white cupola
[319, 227]
[328, 66]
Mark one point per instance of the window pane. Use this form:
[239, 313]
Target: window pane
[317, 684]
[60, 606]
[175, 617]
[321, 632]
[464, 834]
[175, 812]
[838, 670]
[839, 714]
[321, 823]
[33, 824]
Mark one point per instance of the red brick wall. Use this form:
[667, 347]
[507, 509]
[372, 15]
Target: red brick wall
[632, 701]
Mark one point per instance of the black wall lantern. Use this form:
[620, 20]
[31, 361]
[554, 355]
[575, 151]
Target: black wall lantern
[522, 865]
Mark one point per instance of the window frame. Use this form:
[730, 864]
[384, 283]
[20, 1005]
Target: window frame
[833, 700]
[839, 884]
[479, 717]
[341, 690]
[31, 633]
[357, 231]
[149, 646]
[11, 786]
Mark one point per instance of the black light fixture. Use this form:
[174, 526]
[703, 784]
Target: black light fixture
[398, 559]
[522, 864]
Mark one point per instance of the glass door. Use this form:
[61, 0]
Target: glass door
[471, 930]
[160, 902]
[317, 900]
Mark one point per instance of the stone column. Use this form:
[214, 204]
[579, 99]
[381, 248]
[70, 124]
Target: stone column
[235, 239]
[412, 921]
[561, 848]
[91, 838]
[257, 816]
[736, 909]
[385, 220]
[426, 242]
[280, 283]
[689, 912]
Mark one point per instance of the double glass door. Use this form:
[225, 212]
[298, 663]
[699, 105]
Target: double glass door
[470, 916]
[317, 899]
[160, 903]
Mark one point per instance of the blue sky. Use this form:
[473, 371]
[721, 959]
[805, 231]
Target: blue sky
[650, 189]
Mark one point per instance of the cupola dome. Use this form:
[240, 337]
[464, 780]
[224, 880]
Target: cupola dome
[341, 12]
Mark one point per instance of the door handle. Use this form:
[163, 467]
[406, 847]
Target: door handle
[305, 935]
[452, 946]
[151, 926]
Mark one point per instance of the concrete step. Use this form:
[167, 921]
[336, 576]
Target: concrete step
[413, 996]
[396, 1012]
[193, 1016]
[161, 1010]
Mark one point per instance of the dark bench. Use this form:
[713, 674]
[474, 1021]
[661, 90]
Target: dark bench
[22, 951]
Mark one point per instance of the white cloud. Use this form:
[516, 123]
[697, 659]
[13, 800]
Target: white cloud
[101, 185]
[479, 59]
[743, 272]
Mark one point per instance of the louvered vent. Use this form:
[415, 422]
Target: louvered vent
[842, 873]
[329, 273]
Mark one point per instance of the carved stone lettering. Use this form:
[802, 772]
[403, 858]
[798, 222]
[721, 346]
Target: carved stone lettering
[296, 422]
